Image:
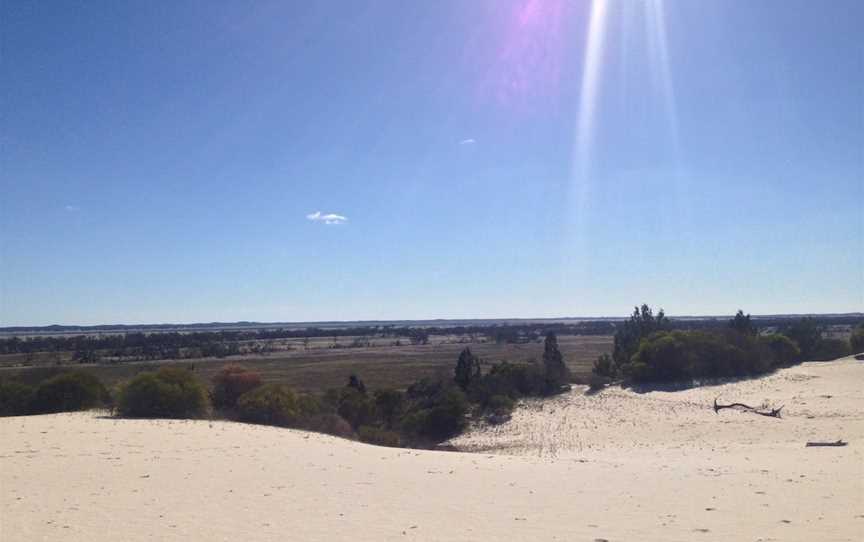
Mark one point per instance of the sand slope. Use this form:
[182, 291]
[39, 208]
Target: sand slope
[617, 466]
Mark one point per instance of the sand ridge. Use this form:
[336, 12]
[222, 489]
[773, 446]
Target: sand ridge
[617, 465]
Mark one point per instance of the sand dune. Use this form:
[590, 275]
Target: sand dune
[616, 466]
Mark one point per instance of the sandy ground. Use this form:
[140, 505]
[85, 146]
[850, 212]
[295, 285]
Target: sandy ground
[617, 465]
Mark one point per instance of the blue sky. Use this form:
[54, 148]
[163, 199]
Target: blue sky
[163, 162]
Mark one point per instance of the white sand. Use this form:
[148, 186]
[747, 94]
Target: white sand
[615, 466]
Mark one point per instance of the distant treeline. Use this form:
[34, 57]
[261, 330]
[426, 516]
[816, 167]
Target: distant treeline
[172, 345]
[195, 344]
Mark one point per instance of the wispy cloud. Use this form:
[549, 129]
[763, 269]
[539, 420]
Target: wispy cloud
[469, 141]
[72, 208]
[329, 218]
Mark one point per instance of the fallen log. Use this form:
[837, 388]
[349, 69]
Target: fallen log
[770, 412]
[837, 443]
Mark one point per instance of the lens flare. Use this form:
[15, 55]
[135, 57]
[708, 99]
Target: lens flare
[584, 138]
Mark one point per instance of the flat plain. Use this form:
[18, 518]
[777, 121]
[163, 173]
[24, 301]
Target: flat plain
[320, 367]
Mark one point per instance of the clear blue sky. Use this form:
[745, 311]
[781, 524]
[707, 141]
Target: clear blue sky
[165, 161]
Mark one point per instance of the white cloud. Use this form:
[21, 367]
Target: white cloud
[72, 208]
[469, 141]
[329, 218]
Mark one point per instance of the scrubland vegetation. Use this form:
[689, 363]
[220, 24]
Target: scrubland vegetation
[647, 348]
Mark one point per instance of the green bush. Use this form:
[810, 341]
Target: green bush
[829, 349]
[331, 424]
[781, 348]
[231, 382]
[15, 398]
[437, 411]
[604, 367]
[681, 355]
[513, 380]
[390, 405]
[357, 408]
[379, 437]
[70, 391]
[169, 392]
[856, 341]
[270, 404]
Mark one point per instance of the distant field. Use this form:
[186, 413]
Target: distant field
[320, 368]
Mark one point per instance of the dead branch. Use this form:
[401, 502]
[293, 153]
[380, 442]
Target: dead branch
[771, 413]
[838, 443]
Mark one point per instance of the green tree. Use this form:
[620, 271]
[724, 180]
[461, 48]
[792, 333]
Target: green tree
[604, 366]
[355, 382]
[642, 323]
[557, 373]
[807, 334]
[467, 371]
[743, 324]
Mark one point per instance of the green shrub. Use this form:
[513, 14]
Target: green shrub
[856, 341]
[604, 367]
[270, 404]
[829, 349]
[331, 424]
[390, 405]
[231, 382]
[781, 348]
[169, 392]
[437, 411]
[74, 390]
[379, 437]
[357, 408]
[15, 398]
[682, 355]
[513, 380]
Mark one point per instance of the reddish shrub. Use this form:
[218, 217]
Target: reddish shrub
[232, 382]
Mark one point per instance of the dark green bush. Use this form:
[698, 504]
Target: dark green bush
[390, 405]
[829, 349]
[856, 341]
[74, 390]
[270, 404]
[378, 436]
[604, 367]
[169, 392]
[15, 398]
[231, 382]
[437, 411]
[357, 408]
[513, 380]
[682, 355]
[781, 348]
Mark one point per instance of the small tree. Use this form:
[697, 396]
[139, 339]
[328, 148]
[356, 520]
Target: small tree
[743, 324]
[806, 333]
[467, 371]
[355, 382]
[641, 324]
[604, 366]
[557, 373]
